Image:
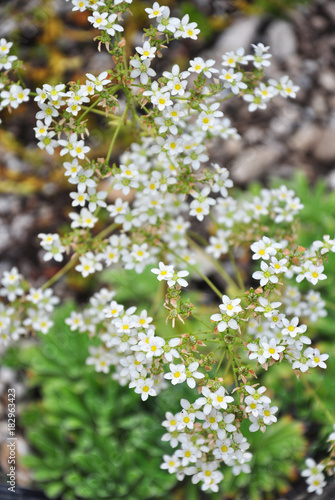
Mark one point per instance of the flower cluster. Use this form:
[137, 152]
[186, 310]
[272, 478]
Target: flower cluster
[27, 308]
[314, 476]
[12, 94]
[208, 433]
[163, 186]
[280, 332]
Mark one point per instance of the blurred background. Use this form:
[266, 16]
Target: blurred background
[292, 140]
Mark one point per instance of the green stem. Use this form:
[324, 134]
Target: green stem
[102, 113]
[159, 298]
[227, 368]
[237, 271]
[61, 272]
[116, 133]
[207, 280]
[73, 261]
[227, 97]
[106, 231]
[220, 363]
[197, 236]
[201, 321]
[215, 264]
[234, 364]
[87, 110]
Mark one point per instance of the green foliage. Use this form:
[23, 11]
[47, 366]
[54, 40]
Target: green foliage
[92, 438]
[277, 7]
[275, 455]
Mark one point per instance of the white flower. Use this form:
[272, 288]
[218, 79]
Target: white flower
[99, 20]
[265, 275]
[89, 264]
[271, 349]
[161, 100]
[146, 52]
[268, 309]
[142, 69]
[167, 23]
[256, 352]
[163, 272]
[192, 374]
[224, 322]
[220, 400]
[47, 113]
[316, 359]
[111, 26]
[187, 29]
[206, 401]
[201, 204]
[177, 82]
[233, 58]
[230, 307]
[325, 246]
[268, 414]
[198, 65]
[263, 249]
[185, 418]
[313, 469]
[315, 273]
[178, 278]
[261, 57]
[257, 394]
[218, 243]
[291, 327]
[279, 266]
[171, 463]
[155, 11]
[169, 350]
[99, 81]
[5, 46]
[144, 387]
[177, 374]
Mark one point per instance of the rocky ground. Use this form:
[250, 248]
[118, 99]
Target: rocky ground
[294, 134]
[289, 135]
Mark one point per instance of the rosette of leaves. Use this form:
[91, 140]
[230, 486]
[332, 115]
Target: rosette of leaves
[276, 454]
[91, 437]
